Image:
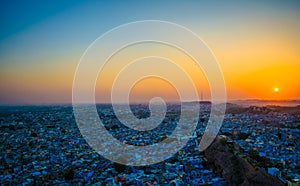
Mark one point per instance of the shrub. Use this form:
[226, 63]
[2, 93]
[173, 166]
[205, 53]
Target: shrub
[223, 141]
[69, 174]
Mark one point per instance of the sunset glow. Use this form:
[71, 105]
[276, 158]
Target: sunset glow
[145, 92]
[256, 45]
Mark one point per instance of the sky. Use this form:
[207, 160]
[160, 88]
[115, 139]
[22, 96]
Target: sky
[257, 45]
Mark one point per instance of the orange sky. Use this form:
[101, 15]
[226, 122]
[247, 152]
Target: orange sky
[256, 45]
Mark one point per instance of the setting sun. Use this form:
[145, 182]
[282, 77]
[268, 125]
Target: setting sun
[276, 89]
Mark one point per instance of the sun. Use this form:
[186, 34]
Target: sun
[276, 89]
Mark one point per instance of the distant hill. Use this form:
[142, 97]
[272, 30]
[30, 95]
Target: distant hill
[259, 102]
[238, 109]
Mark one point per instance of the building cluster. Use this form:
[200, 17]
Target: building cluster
[42, 144]
[274, 135]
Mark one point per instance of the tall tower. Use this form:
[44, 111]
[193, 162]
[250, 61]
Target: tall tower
[201, 96]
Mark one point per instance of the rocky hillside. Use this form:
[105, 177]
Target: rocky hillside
[236, 170]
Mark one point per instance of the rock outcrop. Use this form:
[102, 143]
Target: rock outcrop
[236, 170]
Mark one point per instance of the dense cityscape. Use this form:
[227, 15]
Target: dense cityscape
[43, 145]
[150, 93]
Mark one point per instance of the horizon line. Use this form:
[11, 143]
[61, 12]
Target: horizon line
[133, 103]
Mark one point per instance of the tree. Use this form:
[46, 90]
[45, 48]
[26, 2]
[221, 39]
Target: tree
[119, 167]
[223, 141]
[254, 154]
[242, 136]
